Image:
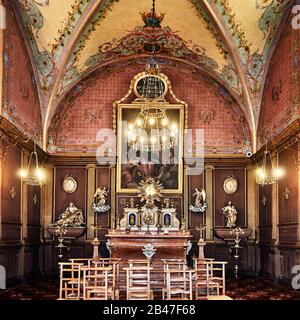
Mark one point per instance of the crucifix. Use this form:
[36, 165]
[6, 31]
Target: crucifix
[201, 229]
[287, 193]
[201, 242]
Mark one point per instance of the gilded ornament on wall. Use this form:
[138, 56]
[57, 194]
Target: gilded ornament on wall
[69, 184]
[230, 185]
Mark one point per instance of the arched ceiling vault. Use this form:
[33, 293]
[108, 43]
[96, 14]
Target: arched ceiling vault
[230, 39]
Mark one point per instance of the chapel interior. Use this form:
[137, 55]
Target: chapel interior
[150, 150]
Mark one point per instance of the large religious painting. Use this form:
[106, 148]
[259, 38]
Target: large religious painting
[136, 163]
[150, 128]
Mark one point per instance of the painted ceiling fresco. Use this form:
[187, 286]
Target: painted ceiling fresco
[71, 38]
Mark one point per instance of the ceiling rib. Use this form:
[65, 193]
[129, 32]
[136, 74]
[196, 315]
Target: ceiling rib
[72, 42]
[233, 52]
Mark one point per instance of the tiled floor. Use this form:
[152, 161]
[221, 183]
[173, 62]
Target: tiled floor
[257, 288]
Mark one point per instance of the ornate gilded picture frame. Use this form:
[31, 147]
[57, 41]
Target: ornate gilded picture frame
[129, 174]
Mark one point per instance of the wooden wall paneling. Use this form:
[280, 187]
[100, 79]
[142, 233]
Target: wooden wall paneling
[265, 213]
[288, 195]
[298, 168]
[33, 210]
[10, 259]
[47, 200]
[62, 198]
[209, 187]
[90, 191]
[238, 199]
[103, 180]
[195, 219]
[11, 195]
[2, 146]
[252, 194]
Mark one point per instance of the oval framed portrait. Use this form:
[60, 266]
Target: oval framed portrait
[69, 184]
[230, 185]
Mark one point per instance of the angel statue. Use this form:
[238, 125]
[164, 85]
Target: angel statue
[101, 197]
[200, 204]
[230, 213]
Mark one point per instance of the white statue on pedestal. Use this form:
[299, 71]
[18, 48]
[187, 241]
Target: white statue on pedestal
[230, 213]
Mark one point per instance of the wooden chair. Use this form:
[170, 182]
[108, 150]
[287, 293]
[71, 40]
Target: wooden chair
[83, 261]
[138, 280]
[96, 283]
[69, 286]
[217, 276]
[179, 284]
[170, 264]
[203, 281]
[113, 276]
[139, 262]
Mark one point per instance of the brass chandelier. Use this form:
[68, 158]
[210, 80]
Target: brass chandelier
[33, 174]
[152, 130]
[265, 176]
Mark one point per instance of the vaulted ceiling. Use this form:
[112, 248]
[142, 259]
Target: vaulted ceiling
[228, 40]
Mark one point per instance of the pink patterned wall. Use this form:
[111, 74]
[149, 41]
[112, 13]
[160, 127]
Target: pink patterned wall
[281, 93]
[21, 100]
[91, 110]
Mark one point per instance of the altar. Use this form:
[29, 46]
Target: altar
[154, 246]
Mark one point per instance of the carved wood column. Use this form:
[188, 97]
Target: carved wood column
[24, 195]
[253, 217]
[2, 9]
[275, 211]
[298, 166]
[2, 28]
[275, 221]
[209, 171]
[252, 201]
[47, 199]
[186, 196]
[24, 212]
[91, 178]
[1, 165]
[112, 195]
